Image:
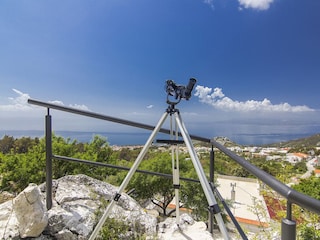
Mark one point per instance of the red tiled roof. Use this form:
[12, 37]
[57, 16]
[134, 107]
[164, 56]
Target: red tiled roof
[317, 171]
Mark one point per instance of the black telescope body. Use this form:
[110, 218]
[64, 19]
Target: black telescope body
[179, 91]
[189, 88]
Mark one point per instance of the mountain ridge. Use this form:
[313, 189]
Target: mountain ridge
[310, 141]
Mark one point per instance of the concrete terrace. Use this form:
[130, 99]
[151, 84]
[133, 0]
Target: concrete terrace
[247, 204]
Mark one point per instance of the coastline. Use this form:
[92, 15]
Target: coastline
[139, 138]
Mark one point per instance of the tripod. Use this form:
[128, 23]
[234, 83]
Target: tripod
[213, 206]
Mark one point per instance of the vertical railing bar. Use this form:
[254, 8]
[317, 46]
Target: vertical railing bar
[48, 135]
[289, 210]
[288, 226]
[211, 180]
[211, 164]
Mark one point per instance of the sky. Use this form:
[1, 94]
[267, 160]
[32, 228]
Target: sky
[257, 63]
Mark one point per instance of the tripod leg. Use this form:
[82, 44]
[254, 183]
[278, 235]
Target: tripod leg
[213, 205]
[175, 167]
[176, 185]
[129, 176]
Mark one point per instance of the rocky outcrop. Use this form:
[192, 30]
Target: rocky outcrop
[78, 200]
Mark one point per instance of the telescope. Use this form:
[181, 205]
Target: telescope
[179, 91]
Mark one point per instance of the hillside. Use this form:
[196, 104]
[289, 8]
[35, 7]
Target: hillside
[311, 141]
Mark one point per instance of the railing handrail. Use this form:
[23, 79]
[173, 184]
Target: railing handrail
[290, 194]
[106, 118]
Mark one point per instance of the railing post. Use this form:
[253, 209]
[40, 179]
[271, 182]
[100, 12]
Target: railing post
[48, 160]
[211, 179]
[288, 226]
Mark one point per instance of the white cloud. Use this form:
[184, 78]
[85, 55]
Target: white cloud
[218, 100]
[255, 4]
[77, 106]
[19, 103]
[57, 102]
[150, 106]
[17, 114]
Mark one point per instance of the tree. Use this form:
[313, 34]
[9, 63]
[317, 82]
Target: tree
[309, 186]
[18, 170]
[6, 144]
[158, 189]
[22, 145]
[300, 167]
[97, 150]
[193, 197]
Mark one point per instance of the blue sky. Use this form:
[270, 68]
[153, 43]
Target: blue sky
[257, 63]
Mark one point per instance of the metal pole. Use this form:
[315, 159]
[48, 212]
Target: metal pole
[212, 164]
[288, 226]
[48, 134]
[211, 179]
[175, 166]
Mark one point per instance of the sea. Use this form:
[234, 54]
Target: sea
[140, 138]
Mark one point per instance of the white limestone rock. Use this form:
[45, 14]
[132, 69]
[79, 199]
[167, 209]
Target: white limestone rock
[76, 203]
[79, 198]
[186, 229]
[30, 212]
[9, 227]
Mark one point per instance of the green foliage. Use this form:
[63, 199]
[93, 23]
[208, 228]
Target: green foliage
[24, 161]
[309, 186]
[300, 167]
[20, 145]
[161, 191]
[114, 229]
[193, 197]
[17, 170]
[223, 164]
[158, 189]
[6, 144]
[308, 231]
[280, 169]
[117, 228]
[97, 150]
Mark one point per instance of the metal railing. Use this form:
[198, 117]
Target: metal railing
[288, 225]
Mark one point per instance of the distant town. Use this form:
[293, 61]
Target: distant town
[269, 153]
